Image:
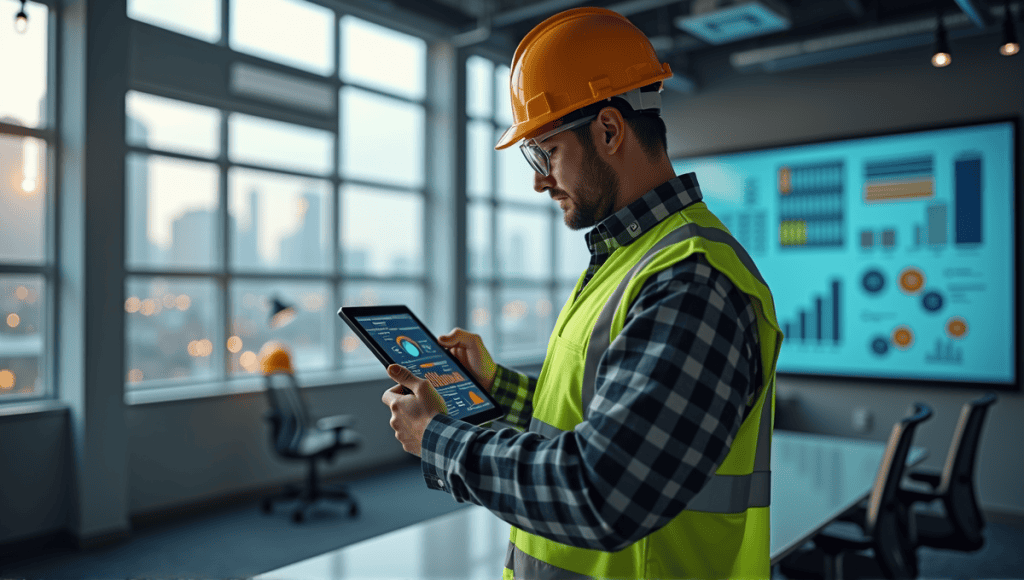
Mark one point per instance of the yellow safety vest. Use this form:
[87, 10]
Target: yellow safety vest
[724, 530]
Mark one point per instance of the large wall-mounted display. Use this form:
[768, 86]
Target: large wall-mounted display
[889, 256]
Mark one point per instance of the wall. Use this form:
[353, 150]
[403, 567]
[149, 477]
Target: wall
[881, 93]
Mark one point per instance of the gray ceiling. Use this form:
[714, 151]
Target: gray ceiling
[507, 21]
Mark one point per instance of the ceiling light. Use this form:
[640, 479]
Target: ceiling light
[940, 56]
[1010, 45]
[21, 19]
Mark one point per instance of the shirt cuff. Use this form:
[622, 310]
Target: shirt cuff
[441, 441]
[507, 385]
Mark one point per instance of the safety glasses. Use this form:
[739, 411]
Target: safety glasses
[536, 156]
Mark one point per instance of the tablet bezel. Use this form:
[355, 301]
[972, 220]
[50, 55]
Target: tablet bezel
[349, 314]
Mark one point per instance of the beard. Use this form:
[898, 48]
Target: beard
[595, 195]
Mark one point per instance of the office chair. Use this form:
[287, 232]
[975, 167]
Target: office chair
[295, 435]
[960, 528]
[887, 528]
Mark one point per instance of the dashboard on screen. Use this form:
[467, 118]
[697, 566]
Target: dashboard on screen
[890, 257]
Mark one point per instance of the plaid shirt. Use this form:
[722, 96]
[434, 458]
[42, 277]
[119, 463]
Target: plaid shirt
[670, 394]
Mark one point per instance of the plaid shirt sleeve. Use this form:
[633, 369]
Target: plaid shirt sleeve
[671, 392]
[514, 392]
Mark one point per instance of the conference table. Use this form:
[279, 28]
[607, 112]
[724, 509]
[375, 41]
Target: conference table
[815, 478]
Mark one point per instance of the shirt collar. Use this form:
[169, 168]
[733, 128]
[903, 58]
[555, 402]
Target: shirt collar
[630, 222]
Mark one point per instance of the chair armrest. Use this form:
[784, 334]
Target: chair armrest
[335, 422]
[931, 477]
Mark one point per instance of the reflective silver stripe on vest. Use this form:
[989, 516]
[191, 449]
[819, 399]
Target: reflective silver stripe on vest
[732, 494]
[545, 429]
[526, 567]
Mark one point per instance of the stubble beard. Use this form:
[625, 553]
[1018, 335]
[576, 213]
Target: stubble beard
[595, 195]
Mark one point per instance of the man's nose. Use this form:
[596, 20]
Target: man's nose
[542, 182]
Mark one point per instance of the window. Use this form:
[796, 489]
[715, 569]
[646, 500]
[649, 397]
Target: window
[27, 145]
[523, 261]
[234, 206]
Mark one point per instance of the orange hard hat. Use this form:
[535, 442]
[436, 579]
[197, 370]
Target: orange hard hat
[274, 358]
[573, 59]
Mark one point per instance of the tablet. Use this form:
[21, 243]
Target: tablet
[396, 336]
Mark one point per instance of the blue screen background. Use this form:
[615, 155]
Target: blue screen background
[887, 256]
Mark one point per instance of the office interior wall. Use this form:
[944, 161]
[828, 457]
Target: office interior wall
[886, 92]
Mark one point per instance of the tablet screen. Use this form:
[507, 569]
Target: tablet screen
[410, 346]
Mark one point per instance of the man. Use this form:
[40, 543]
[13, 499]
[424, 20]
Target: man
[647, 434]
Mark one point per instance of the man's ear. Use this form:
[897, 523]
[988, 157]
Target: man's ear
[611, 130]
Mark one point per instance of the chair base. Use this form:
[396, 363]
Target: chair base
[307, 498]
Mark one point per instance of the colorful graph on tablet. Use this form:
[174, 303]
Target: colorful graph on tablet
[409, 346]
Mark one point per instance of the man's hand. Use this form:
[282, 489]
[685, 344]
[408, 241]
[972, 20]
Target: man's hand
[411, 413]
[470, 350]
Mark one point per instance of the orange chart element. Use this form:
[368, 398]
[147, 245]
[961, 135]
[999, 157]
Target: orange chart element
[785, 181]
[475, 398]
[902, 337]
[439, 380]
[956, 327]
[911, 280]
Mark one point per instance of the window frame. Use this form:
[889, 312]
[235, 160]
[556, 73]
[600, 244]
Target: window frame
[48, 268]
[497, 283]
[223, 273]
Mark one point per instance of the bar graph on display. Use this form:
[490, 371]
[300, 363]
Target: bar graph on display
[441, 380]
[820, 323]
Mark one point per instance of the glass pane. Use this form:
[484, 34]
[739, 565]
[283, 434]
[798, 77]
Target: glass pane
[22, 335]
[382, 58]
[291, 32]
[481, 316]
[381, 232]
[515, 176]
[353, 352]
[260, 141]
[572, 254]
[172, 330]
[196, 18]
[23, 57]
[479, 152]
[160, 123]
[524, 244]
[382, 138]
[279, 222]
[305, 336]
[526, 320]
[172, 213]
[501, 87]
[478, 243]
[479, 73]
[22, 199]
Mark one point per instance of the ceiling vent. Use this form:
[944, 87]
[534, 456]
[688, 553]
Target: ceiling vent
[725, 21]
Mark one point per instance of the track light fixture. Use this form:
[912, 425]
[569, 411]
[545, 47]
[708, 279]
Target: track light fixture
[940, 56]
[21, 19]
[1010, 45]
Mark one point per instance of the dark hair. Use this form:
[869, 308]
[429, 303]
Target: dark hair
[649, 128]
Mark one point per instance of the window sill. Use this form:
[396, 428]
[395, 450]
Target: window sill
[252, 384]
[15, 411]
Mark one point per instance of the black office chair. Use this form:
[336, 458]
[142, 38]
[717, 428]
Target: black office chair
[960, 527]
[295, 435]
[887, 529]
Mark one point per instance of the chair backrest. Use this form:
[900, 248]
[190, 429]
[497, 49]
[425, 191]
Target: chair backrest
[956, 487]
[890, 472]
[887, 521]
[286, 401]
[959, 467]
